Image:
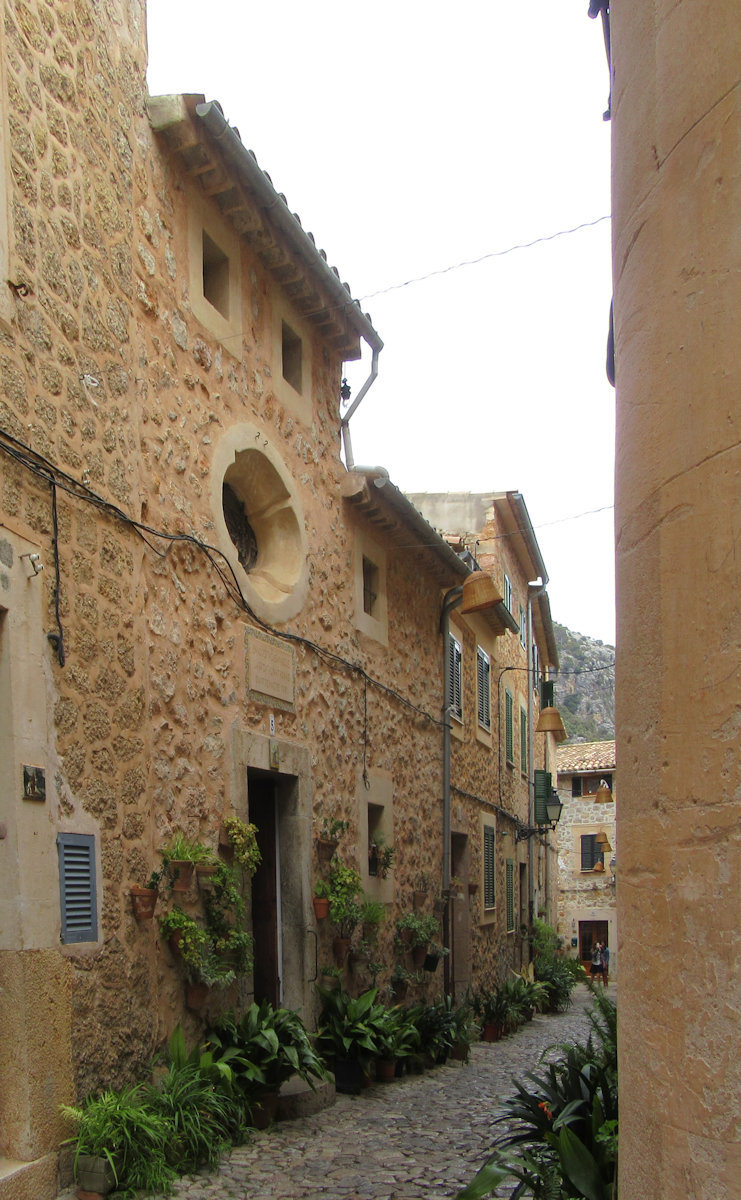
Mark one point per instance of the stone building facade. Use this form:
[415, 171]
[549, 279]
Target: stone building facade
[587, 867]
[494, 766]
[676, 115]
[203, 611]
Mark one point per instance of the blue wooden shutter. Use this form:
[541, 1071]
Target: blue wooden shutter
[510, 895]
[77, 887]
[489, 866]
[543, 788]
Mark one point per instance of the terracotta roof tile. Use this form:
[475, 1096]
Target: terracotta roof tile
[586, 756]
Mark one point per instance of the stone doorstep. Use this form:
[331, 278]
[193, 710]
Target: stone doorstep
[35, 1180]
[297, 1099]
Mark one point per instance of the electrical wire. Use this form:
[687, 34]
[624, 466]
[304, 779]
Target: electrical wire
[44, 469]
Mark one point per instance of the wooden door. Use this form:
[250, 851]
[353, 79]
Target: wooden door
[265, 914]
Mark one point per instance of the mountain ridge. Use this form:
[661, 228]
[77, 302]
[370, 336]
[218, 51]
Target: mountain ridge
[585, 686]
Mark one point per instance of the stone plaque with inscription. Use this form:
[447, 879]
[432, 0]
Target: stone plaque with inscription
[270, 668]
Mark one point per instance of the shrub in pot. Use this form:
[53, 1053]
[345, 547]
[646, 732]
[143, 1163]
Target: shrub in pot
[347, 1033]
[120, 1129]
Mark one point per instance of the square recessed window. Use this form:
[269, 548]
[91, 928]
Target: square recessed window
[370, 587]
[291, 351]
[215, 276]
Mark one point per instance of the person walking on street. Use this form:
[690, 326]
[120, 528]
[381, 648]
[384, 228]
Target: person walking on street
[596, 967]
[605, 963]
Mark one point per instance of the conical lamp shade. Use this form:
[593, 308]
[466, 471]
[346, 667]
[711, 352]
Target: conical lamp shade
[603, 795]
[479, 593]
[550, 721]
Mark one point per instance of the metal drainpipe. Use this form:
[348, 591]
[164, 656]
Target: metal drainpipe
[534, 589]
[451, 600]
[381, 474]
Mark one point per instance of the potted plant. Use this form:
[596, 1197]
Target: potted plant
[266, 1047]
[320, 899]
[121, 1142]
[345, 907]
[422, 886]
[242, 837]
[400, 981]
[465, 1032]
[144, 897]
[433, 955]
[180, 856]
[396, 1038]
[414, 931]
[347, 1034]
[491, 1009]
[331, 831]
[380, 856]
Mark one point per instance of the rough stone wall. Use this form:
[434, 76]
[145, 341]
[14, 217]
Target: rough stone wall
[105, 372]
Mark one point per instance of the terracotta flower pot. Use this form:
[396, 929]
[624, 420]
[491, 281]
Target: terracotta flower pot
[385, 1070]
[420, 900]
[419, 954]
[174, 940]
[321, 907]
[182, 875]
[205, 875]
[144, 901]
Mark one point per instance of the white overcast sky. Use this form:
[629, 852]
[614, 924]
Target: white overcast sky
[411, 137]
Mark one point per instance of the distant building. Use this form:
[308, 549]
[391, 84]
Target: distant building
[587, 866]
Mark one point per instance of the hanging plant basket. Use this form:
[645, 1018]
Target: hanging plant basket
[205, 873]
[321, 907]
[144, 901]
[430, 962]
[420, 900]
[419, 957]
[174, 941]
[325, 848]
[182, 873]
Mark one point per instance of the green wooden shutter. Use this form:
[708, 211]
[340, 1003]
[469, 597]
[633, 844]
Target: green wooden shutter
[482, 684]
[523, 741]
[454, 699]
[543, 788]
[77, 887]
[509, 734]
[510, 895]
[489, 866]
[546, 693]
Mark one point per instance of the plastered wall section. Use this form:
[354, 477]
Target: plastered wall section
[677, 298]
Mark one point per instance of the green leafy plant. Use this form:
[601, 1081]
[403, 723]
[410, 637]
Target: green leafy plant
[344, 892]
[182, 849]
[265, 1048]
[380, 856]
[421, 928]
[243, 838]
[348, 1026]
[396, 1034]
[561, 1136]
[333, 829]
[120, 1127]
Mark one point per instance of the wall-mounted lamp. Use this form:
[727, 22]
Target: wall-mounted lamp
[603, 795]
[553, 809]
[549, 721]
[35, 564]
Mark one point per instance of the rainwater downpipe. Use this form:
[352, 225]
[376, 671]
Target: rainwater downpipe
[380, 473]
[534, 589]
[451, 600]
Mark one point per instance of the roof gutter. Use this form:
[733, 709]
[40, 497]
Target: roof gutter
[339, 293]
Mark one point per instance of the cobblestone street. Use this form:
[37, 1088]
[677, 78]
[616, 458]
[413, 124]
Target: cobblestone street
[419, 1138]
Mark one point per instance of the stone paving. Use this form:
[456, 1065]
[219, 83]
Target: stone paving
[419, 1138]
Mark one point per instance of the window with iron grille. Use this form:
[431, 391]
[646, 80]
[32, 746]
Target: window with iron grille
[489, 866]
[77, 887]
[590, 852]
[370, 586]
[483, 674]
[510, 883]
[454, 698]
[508, 727]
[523, 741]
